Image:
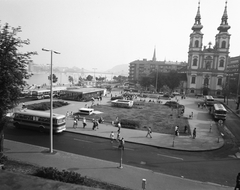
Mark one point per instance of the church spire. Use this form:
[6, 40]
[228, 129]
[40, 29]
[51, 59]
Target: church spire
[224, 24]
[154, 55]
[197, 25]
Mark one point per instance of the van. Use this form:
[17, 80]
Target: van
[86, 111]
[209, 100]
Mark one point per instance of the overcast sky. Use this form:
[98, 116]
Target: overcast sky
[104, 33]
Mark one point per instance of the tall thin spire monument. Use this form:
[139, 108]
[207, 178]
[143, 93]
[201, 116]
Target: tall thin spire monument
[154, 55]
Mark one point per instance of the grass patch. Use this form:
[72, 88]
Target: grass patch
[154, 115]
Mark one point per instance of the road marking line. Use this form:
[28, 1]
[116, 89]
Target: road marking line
[82, 140]
[170, 156]
[124, 148]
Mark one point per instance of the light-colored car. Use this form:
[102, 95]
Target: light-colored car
[176, 93]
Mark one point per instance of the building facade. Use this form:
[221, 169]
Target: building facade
[207, 65]
[141, 68]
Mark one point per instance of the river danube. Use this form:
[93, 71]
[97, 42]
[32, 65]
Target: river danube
[42, 78]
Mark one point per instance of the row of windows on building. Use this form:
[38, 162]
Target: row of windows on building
[206, 81]
[208, 63]
[193, 91]
[223, 44]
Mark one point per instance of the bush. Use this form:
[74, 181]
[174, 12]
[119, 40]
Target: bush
[63, 176]
[117, 97]
[130, 124]
[43, 106]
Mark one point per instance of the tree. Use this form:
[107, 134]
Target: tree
[89, 78]
[120, 78]
[55, 79]
[173, 79]
[145, 81]
[70, 79]
[80, 81]
[13, 72]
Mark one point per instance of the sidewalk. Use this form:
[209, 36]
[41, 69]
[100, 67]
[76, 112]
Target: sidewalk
[129, 176]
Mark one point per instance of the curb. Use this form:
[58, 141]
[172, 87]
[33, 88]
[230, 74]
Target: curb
[167, 148]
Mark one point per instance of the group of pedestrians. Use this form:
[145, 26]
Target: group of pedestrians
[119, 140]
[75, 122]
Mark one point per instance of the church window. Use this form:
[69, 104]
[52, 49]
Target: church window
[208, 64]
[195, 60]
[206, 82]
[223, 44]
[221, 64]
[219, 82]
[197, 43]
[193, 80]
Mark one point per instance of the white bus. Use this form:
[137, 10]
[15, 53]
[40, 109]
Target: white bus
[39, 120]
[209, 100]
[219, 112]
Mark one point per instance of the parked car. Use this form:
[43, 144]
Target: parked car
[168, 95]
[176, 93]
[174, 104]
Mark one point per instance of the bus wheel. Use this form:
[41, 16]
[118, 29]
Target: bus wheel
[17, 125]
[41, 129]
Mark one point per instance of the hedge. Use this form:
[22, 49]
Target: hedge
[116, 97]
[130, 124]
[43, 106]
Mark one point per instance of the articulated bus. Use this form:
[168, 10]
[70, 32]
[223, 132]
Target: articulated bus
[39, 120]
[40, 94]
[219, 112]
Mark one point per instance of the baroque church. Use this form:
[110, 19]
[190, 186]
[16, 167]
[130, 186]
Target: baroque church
[206, 65]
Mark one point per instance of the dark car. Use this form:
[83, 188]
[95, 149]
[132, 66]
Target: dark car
[174, 104]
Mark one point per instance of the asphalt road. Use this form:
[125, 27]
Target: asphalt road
[217, 166]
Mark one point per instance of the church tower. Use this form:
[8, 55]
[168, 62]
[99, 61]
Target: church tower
[206, 65]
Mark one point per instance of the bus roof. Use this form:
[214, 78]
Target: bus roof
[219, 107]
[42, 90]
[38, 113]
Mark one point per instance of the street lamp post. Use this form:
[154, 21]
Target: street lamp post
[157, 79]
[51, 101]
[238, 84]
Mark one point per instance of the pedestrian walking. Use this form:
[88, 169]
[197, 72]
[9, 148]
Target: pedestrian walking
[67, 114]
[75, 123]
[100, 120]
[116, 120]
[149, 132]
[94, 124]
[198, 105]
[185, 129]
[237, 182]
[176, 130]
[118, 136]
[194, 133]
[119, 126]
[84, 122]
[121, 144]
[112, 136]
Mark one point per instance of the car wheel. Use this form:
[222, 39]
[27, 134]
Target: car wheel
[41, 129]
